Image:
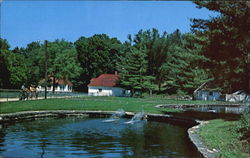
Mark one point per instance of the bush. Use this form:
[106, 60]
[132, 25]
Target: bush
[244, 125]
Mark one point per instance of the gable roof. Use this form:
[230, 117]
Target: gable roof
[104, 80]
[208, 86]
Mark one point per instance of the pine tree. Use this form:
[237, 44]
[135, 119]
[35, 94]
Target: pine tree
[133, 70]
[156, 47]
[183, 71]
[228, 42]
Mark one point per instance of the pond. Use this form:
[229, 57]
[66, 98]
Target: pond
[91, 137]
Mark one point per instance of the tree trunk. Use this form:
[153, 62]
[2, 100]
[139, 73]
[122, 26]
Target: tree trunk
[150, 92]
[132, 92]
[248, 76]
[247, 73]
[159, 87]
[54, 84]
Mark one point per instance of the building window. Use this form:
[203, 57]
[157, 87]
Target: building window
[100, 90]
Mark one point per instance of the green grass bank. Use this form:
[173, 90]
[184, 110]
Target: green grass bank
[96, 103]
[225, 137]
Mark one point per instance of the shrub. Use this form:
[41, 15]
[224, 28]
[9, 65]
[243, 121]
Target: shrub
[244, 125]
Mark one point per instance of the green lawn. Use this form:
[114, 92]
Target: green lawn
[95, 103]
[224, 135]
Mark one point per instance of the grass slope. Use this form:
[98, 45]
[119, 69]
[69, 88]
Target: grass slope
[224, 135]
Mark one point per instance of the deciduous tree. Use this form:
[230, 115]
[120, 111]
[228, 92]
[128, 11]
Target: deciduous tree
[97, 55]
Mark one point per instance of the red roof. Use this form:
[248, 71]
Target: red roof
[104, 80]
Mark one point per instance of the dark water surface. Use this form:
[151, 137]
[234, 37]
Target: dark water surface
[85, 137]
[210, 112]
[220, 109]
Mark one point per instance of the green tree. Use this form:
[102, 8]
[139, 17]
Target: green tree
[174, 60]
[97, 55]
[194, 73]
[34, 59]
[156, 47]
[13, 68]
[183, 71]
[228, 42]
[4, 71]
[18, 69]
[4, 45]
[133, 71]
[62, 61]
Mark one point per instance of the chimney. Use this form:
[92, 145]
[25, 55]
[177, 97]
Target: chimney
[116, 73]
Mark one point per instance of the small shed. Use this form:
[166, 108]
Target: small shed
[207, 95]
[204, 92]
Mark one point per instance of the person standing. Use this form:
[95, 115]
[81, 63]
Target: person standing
[23, 93]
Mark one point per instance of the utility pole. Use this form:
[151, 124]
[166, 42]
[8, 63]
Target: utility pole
[46, 67]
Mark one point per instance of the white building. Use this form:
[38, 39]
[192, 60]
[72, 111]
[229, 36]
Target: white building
[105, 85]
[60, 86]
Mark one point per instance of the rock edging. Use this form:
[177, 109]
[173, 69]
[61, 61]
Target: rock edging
[51, 113]
[196, 139]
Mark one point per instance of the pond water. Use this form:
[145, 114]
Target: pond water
[209, 112]
[219, 109]
[91, 137]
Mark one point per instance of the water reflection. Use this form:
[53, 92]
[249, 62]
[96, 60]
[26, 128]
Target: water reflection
[78, 137]
[219, 109]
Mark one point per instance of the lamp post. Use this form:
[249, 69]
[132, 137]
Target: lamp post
[46, 67]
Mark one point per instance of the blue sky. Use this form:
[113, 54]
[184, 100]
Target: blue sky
[25, 21]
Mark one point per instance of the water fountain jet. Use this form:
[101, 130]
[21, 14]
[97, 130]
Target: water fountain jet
[116, 116]
[136, 118]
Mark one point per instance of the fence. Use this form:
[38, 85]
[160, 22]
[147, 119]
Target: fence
[14, 95]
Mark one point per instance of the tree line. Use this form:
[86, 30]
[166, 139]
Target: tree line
[216, 50]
